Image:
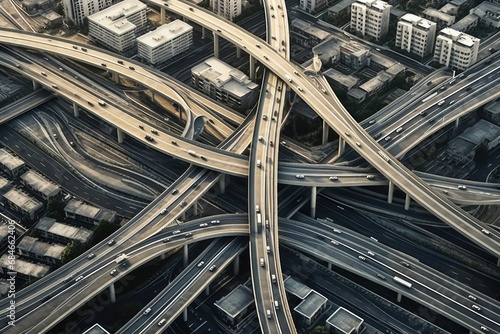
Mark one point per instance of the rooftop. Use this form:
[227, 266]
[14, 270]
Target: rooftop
[487, 8]
[165, 33]
[311, 304]
[33, 245]
[224, 76]
[10, 161]
[493, 107]
[397, 12]
[357, 94]
[344, 320]
[40, 183]
[459, 37]
[114, 17]
[88, 211]
[4, 182]
[345, 80]
[236, 301]
[4, 230]
[374, 83]
[310, 30]
[4, 287]
[465, 23]
[340, 6]
[50, 225]
[296, 288]
[24, 267]
[481, 131]
[23, 200]
[378, 4]
[432, 12]
[418, 21]
[449, 8]
[381, 60]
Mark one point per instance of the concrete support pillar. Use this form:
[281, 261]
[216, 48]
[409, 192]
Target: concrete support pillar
[329, 266]
[152, 96]
[313, 201]
[185, 258]
[163, 15]
[222, 183]
[399, 297]
[180, 114]
[183, 216]
[407, 202]
[216, 45]
[162, 256]
[185, 315]
[236, 266]
[498, 262]
[326, 128]
[119, 134]
[112, 294]
[390, 192]
[207, 290]
[252, 68]
[185, 19]
[195, 208]
[76, 110]
[203, 32]
[36, 85]
[238, 52]
[115, 77]
[457, 121]
[341, 146]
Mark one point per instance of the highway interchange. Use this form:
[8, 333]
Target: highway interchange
[345, 128]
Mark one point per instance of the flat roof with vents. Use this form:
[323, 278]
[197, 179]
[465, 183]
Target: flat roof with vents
[114, 18]
[165, 33]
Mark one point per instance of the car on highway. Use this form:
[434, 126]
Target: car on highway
[212, 267]
[358, 144]
[162, 322]
[333, 178]
[166, 240]
[203, 225]
[176, 232]
[471, 297]
[215, 222]
[199, 265]
[79, 278]
[90, 256]
[387, 138]
[372, 121]
[273, 278]
[146, 311]
[440, 103]
[113, 272]
[175, 191]
[299, 176]
[475, 307]
[370, 177]
[153, 131]
[462, 187]
[111, 242]
[262, 262]
[484, 329]
[163, 211]
[485, 231]
[423, 113]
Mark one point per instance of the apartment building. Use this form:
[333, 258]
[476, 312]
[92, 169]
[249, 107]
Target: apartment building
[442, 19]
[370, 18]
[228, 9]
[165, 42]
[488, 14]
[87, 213]
[11, 164]
[40, 185]
[49, 228]
[21, 202]
[313, 6]
[77, 10]
[415, 35]
[118, 26]
[456, 49]
[224, 83]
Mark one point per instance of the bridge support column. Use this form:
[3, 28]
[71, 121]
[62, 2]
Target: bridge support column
[36, 85]
[399, 298]
[119, 134]
[238, 52]
[341, 146]
[222, 184]
[185, 258]
[216, 45]
[252, 68]
[185, 315]
[498, 262]
[183, 216]
[185, 19]
[329, 266]
[195, 208]
[313, 201]
[162, 256]
[457, 121]
[112, 294]
[407, 202]
[163, 14]
[76, 110]
[203, 33]
[390, 193]
[207, 290]
[115, 77]
[236, 266]
[180, 114]
[326, 129]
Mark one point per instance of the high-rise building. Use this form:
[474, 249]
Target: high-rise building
[228, 9]
[165, 42]
[224, 83]
[415, 35]
[312, 6]
[77, 10]
[370, 18]
[456, 49]
[118, 26]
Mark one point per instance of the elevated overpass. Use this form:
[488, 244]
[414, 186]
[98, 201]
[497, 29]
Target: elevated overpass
[24, 104]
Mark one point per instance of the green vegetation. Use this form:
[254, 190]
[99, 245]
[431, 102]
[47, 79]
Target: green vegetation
[72, 251]
[319, 330]
[104, 230]
[55, 209]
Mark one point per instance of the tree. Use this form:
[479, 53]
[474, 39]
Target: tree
[55, 209]
[319, 330]
[104, 230]
[72, 251]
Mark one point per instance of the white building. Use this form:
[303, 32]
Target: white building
[118, 26]
[455, 49]
[228, 9]
[224, 83]
[370, 18]
[77, 10]
[312, 6]
[165, 42]
[415, 35]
